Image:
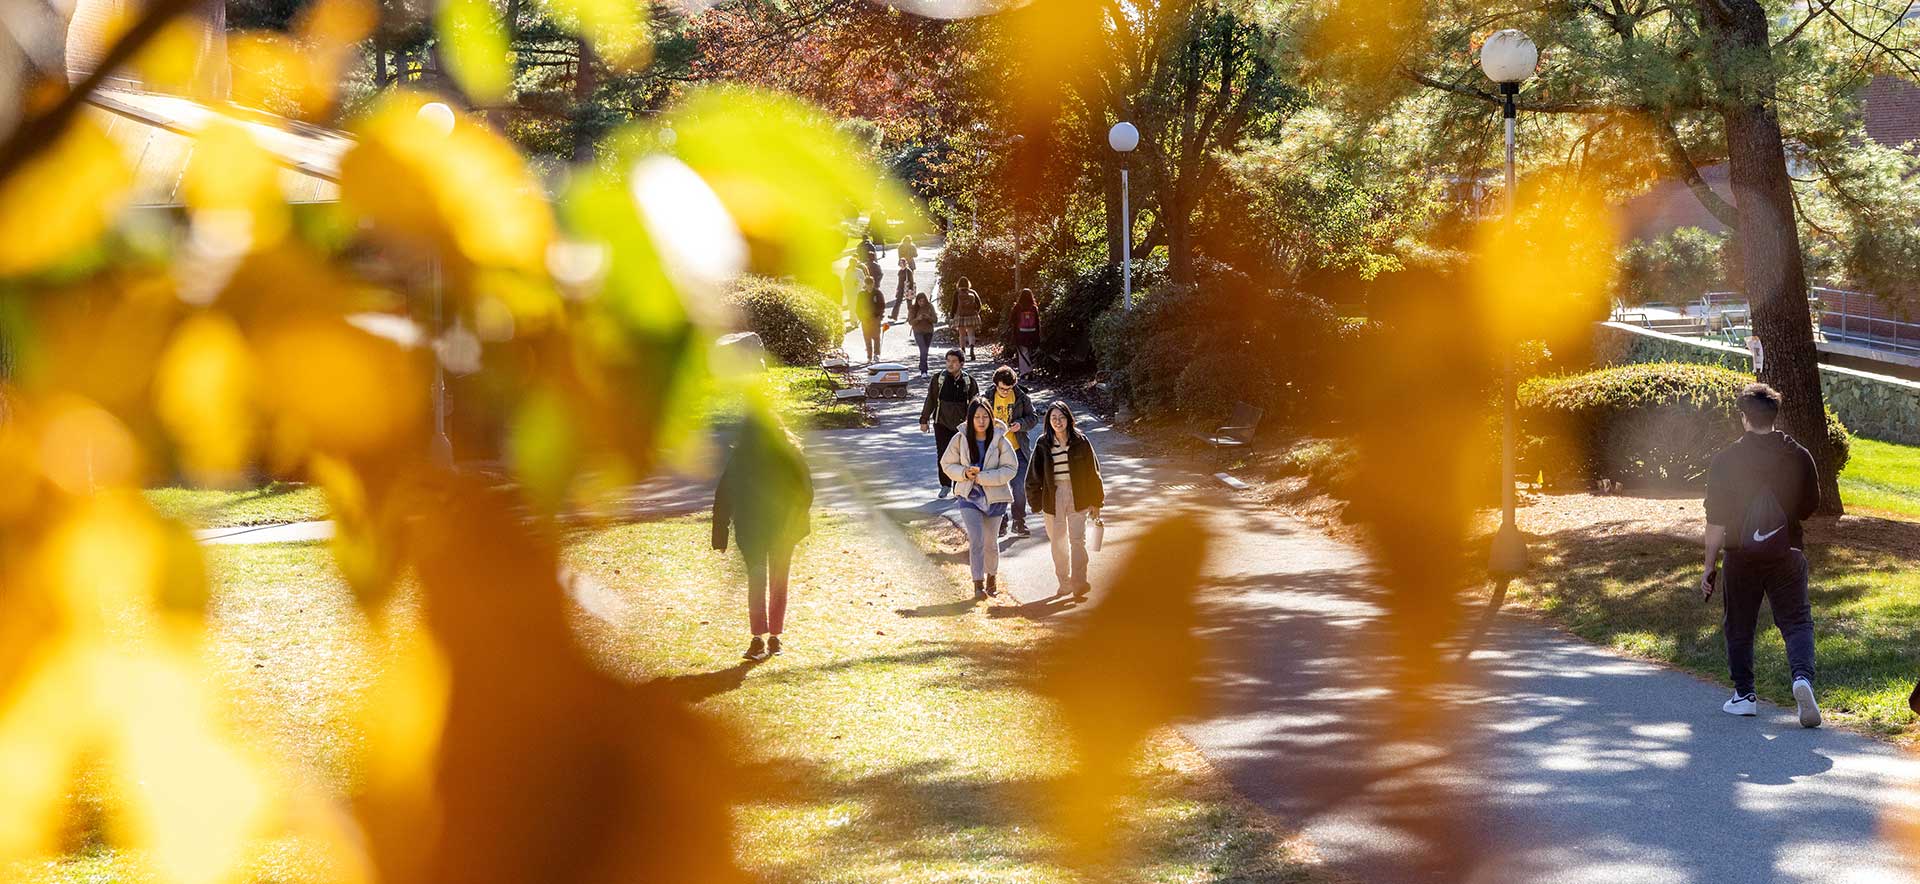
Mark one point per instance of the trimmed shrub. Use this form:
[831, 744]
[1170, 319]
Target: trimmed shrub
[1646, 424]
[1196, 350]
[1067, 321]
[795, 323]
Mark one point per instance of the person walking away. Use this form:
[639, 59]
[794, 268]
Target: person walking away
[854, 284]
[872, 305]
[1758, 491]
[909, 251]
[1013, 407]
[966, 316]
[1025, 322]
[921, 317]
[981, 463]
[764, 494]
[903, 290]
[1064, 483]
[946, 406]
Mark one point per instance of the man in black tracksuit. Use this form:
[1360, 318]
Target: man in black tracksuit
[1761, 567]
[946, 408]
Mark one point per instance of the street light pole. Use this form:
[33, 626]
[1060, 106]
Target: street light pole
[1123, 138]
[442, 119]
[1508, 57]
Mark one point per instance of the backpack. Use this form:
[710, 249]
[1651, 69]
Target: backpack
[1029, 321]
[1763, 531]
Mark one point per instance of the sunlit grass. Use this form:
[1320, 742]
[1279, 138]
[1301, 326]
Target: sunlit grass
[803, 395]
[214, 508]
[901, 737]
[1638, 593]
[891, 748]
[1882, 476]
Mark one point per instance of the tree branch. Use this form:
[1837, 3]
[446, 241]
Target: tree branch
[1549, 107]
[37, 133]
[1690, 173]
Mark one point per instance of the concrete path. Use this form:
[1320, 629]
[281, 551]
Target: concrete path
[1565, 763]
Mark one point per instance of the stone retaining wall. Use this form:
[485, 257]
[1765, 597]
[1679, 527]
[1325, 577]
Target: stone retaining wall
[1871, 405]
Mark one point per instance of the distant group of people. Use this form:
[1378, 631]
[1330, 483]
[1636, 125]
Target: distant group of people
[988, 461]
[995, 454]
[867, 303]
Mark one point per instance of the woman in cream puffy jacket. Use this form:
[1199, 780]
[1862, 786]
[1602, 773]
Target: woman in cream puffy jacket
[982, 463]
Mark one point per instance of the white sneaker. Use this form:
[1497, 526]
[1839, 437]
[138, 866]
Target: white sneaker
[1741, 704]
[1809, 710]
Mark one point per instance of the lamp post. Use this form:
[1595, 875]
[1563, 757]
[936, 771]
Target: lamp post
[1508, 58]
[1123, 138]
[441, 118]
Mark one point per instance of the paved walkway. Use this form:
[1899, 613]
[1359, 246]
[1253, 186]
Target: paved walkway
[1568, 763]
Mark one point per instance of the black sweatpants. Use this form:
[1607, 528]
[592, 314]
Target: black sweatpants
[941, 436]
[1783, 584]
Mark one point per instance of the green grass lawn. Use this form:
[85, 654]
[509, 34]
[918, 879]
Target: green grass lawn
[215, 508]
[1636, 592]
[898, 739]
[1882, 476]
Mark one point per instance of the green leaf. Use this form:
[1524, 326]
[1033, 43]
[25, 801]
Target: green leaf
[617, 29]
[477, 51]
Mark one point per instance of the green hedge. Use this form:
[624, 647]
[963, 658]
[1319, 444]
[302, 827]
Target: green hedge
[1647, 424]
[796, 324]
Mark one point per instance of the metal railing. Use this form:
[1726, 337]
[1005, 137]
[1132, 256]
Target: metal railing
[1863, 322]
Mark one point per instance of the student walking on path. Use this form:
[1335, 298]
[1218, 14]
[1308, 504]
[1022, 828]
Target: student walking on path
[1024, 323]
[872, 305]
[982, 464]
[765, 493]
[903, 289]
[1064, 483]
[947, 397]
[1013, 407]
[966, 316]
[921, 317]
[1758, 491]
[854, 285]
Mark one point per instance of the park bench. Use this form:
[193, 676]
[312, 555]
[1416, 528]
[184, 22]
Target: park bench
[1239, 430]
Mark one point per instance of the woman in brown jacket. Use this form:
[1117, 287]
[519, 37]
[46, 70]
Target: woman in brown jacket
[966, 316]
[921, 316]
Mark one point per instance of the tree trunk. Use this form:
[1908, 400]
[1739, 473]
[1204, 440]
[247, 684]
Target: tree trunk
[583, 86]
[1770, 258]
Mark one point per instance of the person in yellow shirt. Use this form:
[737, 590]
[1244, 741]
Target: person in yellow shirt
[1013, 407]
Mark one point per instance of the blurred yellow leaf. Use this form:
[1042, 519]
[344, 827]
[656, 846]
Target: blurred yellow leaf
[337, 23]
[339, 390]
[270, 71]
[62, 199]
[362, 542]
[785, 175]
[466, 191]
[204, 395]
[476, 48]
[45, 718]
[84, 449]
[617, 29]
[544, 447]
[1546, 273]
[192, 799]
[170, 61]
[1127, 669]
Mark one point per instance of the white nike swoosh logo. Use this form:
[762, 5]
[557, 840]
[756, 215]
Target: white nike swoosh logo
[1762, 538]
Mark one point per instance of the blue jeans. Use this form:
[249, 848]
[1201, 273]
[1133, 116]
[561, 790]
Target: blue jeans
[983, 541]
[1020, 484]
[924, 340]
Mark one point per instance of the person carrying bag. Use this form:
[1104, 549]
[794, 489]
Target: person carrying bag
[1064, 480]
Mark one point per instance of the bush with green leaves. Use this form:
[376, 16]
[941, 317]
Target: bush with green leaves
[796, 324]
[987, 263]
[1067, 321]
[1194, 350]
[1649, 424]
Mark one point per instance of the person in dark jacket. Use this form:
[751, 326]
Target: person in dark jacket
[1064, 482]
[1023, 324]
[872, 306]
[1765, 472]
[946, 406]
[904, 288]
[764, 494]
[922, 318]
[1013, 407]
